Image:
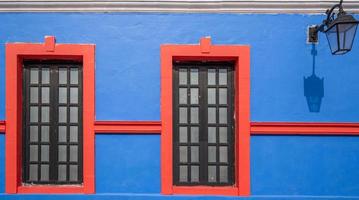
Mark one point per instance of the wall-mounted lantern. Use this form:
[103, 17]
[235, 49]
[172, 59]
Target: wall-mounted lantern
[340, 29]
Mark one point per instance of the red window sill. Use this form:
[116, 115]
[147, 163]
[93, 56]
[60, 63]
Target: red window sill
[205, 190]
[50, 189]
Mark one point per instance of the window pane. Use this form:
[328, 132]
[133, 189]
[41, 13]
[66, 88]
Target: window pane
[74, 76]
[73, 134]
[62, 114]
[74, 114]
[211, 96]
[33, 134]
[223, 134]
[194, 95]
[44, 172]
[45, 131]
[211, 77]
[212, 174]
[45, 76]
[34, 114]
[183, 134]
[222, 77]
[45, 114]
[45, 95]
[183, 95]
[212, 154]
[223, 154]
[34, 75]
[194, 134]
[33, 153]
[74, 95]
[211, 115]
[33, 173]
[62, 95]
[45, 153]
[73, 153]
[62, 153]
[73, 172]
[62, 173]
[223, 174]
[194, 115]
[182, 76]
[34, 95]
[183, 115]
[194, 154]
[222, 95]
[183, 154]
[183, 173]
[194, 173]
[212, 138]
[62, 134]
[222, 115]
[194, 76]
[62, 75]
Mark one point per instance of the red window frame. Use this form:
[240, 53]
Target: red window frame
[206, 51]
[15, 54]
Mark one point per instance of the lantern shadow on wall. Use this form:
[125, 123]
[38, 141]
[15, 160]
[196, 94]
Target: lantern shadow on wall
[314, 87]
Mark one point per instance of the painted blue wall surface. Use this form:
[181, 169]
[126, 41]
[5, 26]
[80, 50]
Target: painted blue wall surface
[128, 88]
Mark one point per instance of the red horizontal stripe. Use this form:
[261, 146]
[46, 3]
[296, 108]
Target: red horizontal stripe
[2, 126]
[152, 127]
[50, 189]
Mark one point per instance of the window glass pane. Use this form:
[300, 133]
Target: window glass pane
[222, 95]
[183, 95]
[211, 77]
[62, 153]
[62, 134]
[74, 95]
[44, 172]
[45, 114]
[73, 172]
[33, 173]
[183, 134]
[222, 115]
[182, 76]
[211, 115]
[183, 173]
[45, 131]
[73, 153]
[62, 173]
[45, 153]
[194, 95]
[74, 114]
[194, 154]
[194, 76]
[212, 138]
[194, 134]
[45, 95]
[34, 75]
[223, 134]
[194, 115]
[73, 134]
[212, 154]
[34, 95]
[183, 154]
[62, 114]
[223, 174]
[34, 114]
[183, 115]
[45, 76]
[62, 75]
[211, 96]
[212, 174]
[194, 173]
[223, 154]
[222, 77]
[33, 153]
[33, 134]
[62, 95]
[74, 76]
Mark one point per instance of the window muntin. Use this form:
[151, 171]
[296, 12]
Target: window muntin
[52, 136]
[203, 140]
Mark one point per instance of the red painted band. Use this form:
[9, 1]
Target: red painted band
[137, 127]
[2, 126]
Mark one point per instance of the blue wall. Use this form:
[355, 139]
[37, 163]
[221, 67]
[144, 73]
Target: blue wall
[128, 87]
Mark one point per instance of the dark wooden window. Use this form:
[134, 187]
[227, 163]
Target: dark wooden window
[203, 135]
[52, 128]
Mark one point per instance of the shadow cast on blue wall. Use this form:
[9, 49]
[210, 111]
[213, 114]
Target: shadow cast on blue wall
[314, 87]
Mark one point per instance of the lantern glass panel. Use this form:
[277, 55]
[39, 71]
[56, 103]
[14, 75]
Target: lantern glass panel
[346, 35]
[332, 38]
